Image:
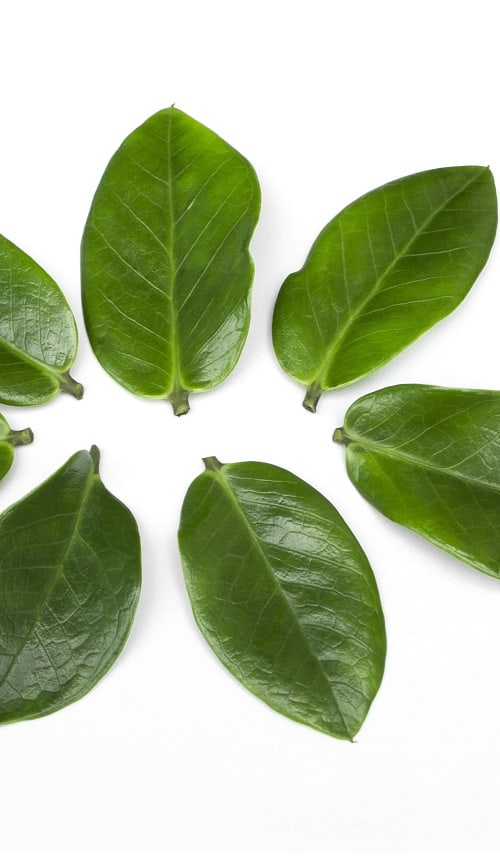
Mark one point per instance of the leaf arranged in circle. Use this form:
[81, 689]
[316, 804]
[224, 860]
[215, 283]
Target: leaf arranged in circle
[381, 273]
[10, 438]
[166, 272]
[429, 458]
[283, 593]
[38, 336]
[70, 575]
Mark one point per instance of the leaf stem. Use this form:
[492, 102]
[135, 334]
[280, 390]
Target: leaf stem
[69, 385]
[179, 400]
[311, 399]
[340, 437]
[211, 463]
[19, 436]
[95, 455]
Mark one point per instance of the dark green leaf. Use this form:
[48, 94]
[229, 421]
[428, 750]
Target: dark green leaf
[283, 593]
[69, 584]
[10, 438]
[166, 273]
[381, 273]
[38, 338]
[429, 458]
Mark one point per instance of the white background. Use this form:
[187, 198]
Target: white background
[168, 754]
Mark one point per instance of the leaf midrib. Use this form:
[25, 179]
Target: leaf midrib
[176, 380]
[91, 476]
[396, 454]
[33, 361]
[224, 483]
[355, 313]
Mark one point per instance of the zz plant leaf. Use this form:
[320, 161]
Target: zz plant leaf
[38, 336]
[283, 593]
[10, 438]
[381, 273]
[429, 458]
[70, 577]
[166, 272]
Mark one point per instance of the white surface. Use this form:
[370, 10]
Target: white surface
[169, 754]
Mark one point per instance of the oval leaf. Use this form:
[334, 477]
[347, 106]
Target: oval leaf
[69, 585]
[38, 336]
[166, 272]
[429, 458]
[10, 438]
[283, 593]
[381, 273]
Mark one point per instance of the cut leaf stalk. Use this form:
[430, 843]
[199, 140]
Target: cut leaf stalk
[69, 385]
[179, 400]
[18, 437]
[312, 397]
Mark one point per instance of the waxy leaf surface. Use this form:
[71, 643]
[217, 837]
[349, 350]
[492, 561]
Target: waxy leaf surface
[166, 273]
[283, 593]
[70, 577]
[38, 336]
[10, 438]
[382, 272]
[429, 458]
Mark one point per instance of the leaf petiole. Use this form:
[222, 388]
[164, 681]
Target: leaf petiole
[68, 385]
[16, 437]
[312, 397]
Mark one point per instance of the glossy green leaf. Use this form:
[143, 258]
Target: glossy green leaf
[10, 438]
[166, 273]
[381, 273]
[429, 458]
[283, 593]
[69, 584]
[38, 337]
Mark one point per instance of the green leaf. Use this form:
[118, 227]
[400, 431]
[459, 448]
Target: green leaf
[283, 593]
[10, 438]
[166, 273]
[38, 337]
[429, 458]
[381, 273]
[69, 584]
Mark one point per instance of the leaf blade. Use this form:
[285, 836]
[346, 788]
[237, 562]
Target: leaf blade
[270, 619]
[166, 271]
[69, 584]
[381, 273]
[429, 459]
[38, 336]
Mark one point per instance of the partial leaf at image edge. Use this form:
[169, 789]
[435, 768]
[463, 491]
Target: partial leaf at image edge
[70, 575]
[38, 335]
[283, 593]
[429, 458]
[10, 438]
[382, 272]
[166, 271]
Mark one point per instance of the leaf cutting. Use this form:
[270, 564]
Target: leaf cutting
[38, 336]
[381, 273]
[70, 577]
[283, 593]
[10, 438]
[166, 272]
[429, 458]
